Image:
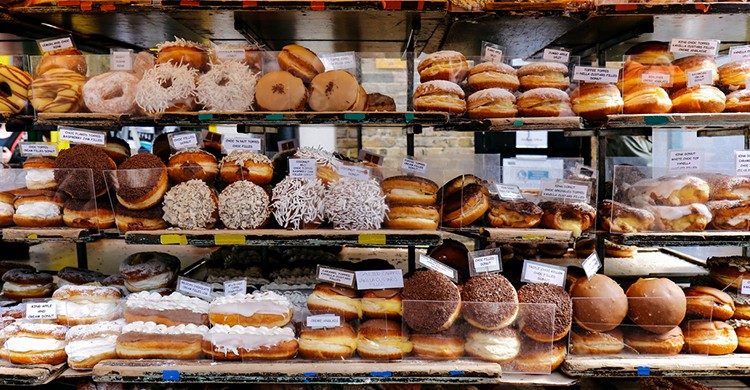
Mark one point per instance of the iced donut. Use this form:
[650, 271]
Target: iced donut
[14, 84]
[167, 88]
[58, 90]
[111, 93]
[229, 86]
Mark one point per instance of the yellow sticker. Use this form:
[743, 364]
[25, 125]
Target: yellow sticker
[371, 239]
[172, 239]
[534, 238]
[32, 236]
[390, 63]
[229, 239]
[63, 144]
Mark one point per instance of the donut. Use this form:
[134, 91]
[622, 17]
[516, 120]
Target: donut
[431, 301]
[354, 204]
[171, 310]
[499, 346]
[78, 276]
[15, 84]
[244, 205]
[22, 283]
[71, 173]
[40, 174]
[183, 52]
[117, 149]
[191, 205]
[280, 91]
[385, 303]
[6, 266]
[489, 302]
[337, 343]
[147, 219]
[67, 59]
[147, 340]
[6, 209]
[466, 206]
[142, 62]
[446, 65]
[35, 343]
[38, 209]
[153, 97]
[540, 358]
[141, 182]
[111, 93]
[228, 86]
[246, 165]
[585, 342]
[328, 298]
[58, 90]
[300, 62]
[149, 270]
[335, 90]
[80, 305]
[298, 203]
[89, 214]
[244, 343]
[189, 164]
[87, 345]
[538, 321]
[381, 339]
[446, 345]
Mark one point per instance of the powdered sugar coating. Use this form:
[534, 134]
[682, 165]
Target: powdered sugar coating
[354, 204]
[297, 201]
[243, 205]
[51, 330]
[98, 329]
[85, 291]
[190, 205]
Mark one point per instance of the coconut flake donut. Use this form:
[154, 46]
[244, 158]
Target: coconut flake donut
[152, 95]
[298, 203]
[228, 86]
[111, 93]
[353, 204]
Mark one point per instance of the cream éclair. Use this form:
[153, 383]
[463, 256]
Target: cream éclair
[149, 340]
[237, 342]
[257, 309]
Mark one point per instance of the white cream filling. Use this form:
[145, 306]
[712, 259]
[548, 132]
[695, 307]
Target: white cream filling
[226, 339]
[737, 219]
[85, 309]
[10, 286]
[39, 176]
[6, 209]
[32, 344]
[83, 349]
[148, 283]
[38, 209]
[250, 308]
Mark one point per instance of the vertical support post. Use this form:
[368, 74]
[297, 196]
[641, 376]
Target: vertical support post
[81, 255]
[415, 23]
[412, 258]
[359, 137]
[601, 168]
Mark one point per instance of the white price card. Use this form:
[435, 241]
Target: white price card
[655, 78]
[508, 192]
[411, 165]
[323, 321]
[685, 160]
[343, 60]
[591, 265]
[50, 45]
[336, 276]
[709, 47]
[241, 142]
[739, 53]
[230, 54]
[29, 149]
[353, 171]
[556, 55]
[75, 136]
[194, 288]
[742, 162]
[377, 280]
[235, 287]
[485, 261]
[183, 140]
[536, 272]
[46, 310]
[429, 262]
[701, 77]
[492, 53]
[745, 287]
[371, 157]
[564, 190]
[529, 139]
[303, 168]
[121, 60]
[593, 74]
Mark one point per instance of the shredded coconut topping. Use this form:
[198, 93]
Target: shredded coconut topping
[180, 42]
[320, 155]
[354, 204]
[243, 205]
[190, 205]
[238, 157]
[296, 201]
[228, 86]
[165, 84]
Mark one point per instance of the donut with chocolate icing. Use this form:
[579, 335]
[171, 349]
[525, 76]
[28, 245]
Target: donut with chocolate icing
[79, 276]
[149, 270]
[489, 302]
[141, 181]
[25, 284]
[431, 301]
[535, 319]
[72, 171]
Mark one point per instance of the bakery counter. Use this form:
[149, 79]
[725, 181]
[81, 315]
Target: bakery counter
[704, 238]
[717, 120]
[516, 236]
[28, 375]
[633, 365]
[513, 124]
[281, 237]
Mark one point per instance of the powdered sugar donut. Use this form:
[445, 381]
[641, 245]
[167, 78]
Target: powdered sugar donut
[354, 204]
[111, 92]
[228, 86]
[167, 87]
[243, 205]
[297, 202]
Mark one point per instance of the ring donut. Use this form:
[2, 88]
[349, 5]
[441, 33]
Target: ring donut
[111, 93]
[167, 87]
[229, 86]
[58, 90]
[14, 89]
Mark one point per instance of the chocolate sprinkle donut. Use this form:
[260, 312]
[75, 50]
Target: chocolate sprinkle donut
[501, 305]
[430, 301]
[71, 174]
[536, 319]
[25, 276]
[136, 185]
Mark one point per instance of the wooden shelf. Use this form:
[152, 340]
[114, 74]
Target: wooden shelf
[630, 365]
[516, 236]
[512, 124]
[28, 375]
[721, 120]
[676, 7]
[705, 238]
[35, 235]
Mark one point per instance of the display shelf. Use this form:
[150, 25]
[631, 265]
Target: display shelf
[704, 238]
[348, 372]
[515, 236]
[578, 8]
[281, 237]
[28, 375]
[35, 235]
[673, 8]
[513, 124]
[632, 365]
[721, 120]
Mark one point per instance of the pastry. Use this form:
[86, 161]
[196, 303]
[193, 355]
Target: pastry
[40, 173]
[728, 271]
[328, 298]
[540, 358]
[87, 345]
[6, 209]
[493, 75]
[693, 63]
[227, 87]
[88, 214]
[635, 74]
[353, 204]
[57, 91]
[574, 217]
[693, 218]
[141, 182]
[738, 101]
[656, 305]
[381, 339]
[709, 337]
[445, 65]
[670, 191]
[491, 103]
[337, 343]
[544, 75]
[246, 165]
[22, 283]
[191, 205]
[148, 219]
[79, 171]
[733, 75]
[111, 93]
[709, 303]
[142, 62]
[297, 203]
[725, 187]
[741, 305]
[596, 101]
[117, 149]
[431, 302]
[439, 95]
[145, 271]
[325, 161]
[699, 98]
[651, 53]
[383, 304]
[403, 217]
[35, 343]
[499, 346]
[646, 99]
[742, 331]
[513, 214]
[669, 342]
[183, 52]
[82, 305]
[260, 309]
[189, 164]
[730, 214]
[544, 102]
[544, 323]
[377, 102]
[409, 190]
[147, 340]
[457, 184]
[280, 91]
[300, 62]
[336, 90]
[446, 345]
[38, 209]
[167, 87]
[612, 249]
[619, 218]
[171, 310]
[489, 301]
[244, 343]
[16, 96]
[244, 205]
[585, 342]
[465, 207]
[70, 59]
[599, 303]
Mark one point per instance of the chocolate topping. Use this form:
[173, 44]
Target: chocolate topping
[80, 275]
[155, 212]
[142, 265]
[493, 288]
[72, 171]
[101, 203]
[113, 280]
[25, 276]
[537, 318]
[430, 299]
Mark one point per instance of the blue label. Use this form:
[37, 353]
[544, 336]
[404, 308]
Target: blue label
[358, 116]
[310, 374]
[274, 117]
[656, 120]
[409, 117]
[381, 374]
[517, 123]
[643, 371]
[455, 373]
[170, 375]
[537, 175]
[205, 117]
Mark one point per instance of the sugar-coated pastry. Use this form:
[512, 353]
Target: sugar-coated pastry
[439, 95]
[409, 190]
[465, 207]
[730, 214]
[280, 91]
[446, 345]
[173, 309]
[336, 90]
[499, 346]
[725, 187]
[35, 343]
[142, 62]
[431, 301]
[300, 61]
[381, 339]
[148, 340]
[539, 322]
[22, 283]
[709, 302]
[246, 165]
[87, 345]
[619, 218]
[493, 75]
[699, 98]
[260, 309]
[223, 342]
[544, 75]
[325, 161]
[729, 271]
[596, 101]
[385, 303]
[599, 303]
[651, 53]
[88, 214]
[694, 63]
[540, 358]
[297, 203]
[646, 99]
[741, 306]
[82, 305]
[354, 204]
[489, 301]
[585, 342]
[733, 75]
[111, 93]
[142, 181]
[149, 271]
[191, 205]
[670, 342]
[575, 217]
[445, 65]
[709, 337]
[491, 103]
[40, 174]
[38, 209]
[328, 343]
[73, 174]
[412, 217]
[738, 101]
[244, 205]
[327, 298]
[635, 74]
[457, 184]
[691, 218]
[189, 164]
[656, 304]
[513, 214]
[669, 191]
[148, 219]
[742, 331]
[544, 102]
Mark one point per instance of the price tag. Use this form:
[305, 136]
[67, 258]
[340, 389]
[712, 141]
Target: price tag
[486, 261]
[230, 54]
[492, 53]
[82, 136]
[287, 144]
[377, 280]
[241, 142]
[194, 288]
[46, 310]
[596, 75]
[591, 265]
[556, 55]
[701, 77]
[323, 321]
[303, 168]
[654, 78]
[739, 53]
[336, 276]
[508, 192]
[29, 149]
[429, 262]
[536, 272]
[183, 140]
[567, 191]
[235, 287]
[361, 173]
[685, 161]
[368, 156]
[745, 287]
[708, 47]
[121, 60]
[50, 45]
[343, 60]
[413, 166]
[584, 171]
[532, 139]
[742, 162]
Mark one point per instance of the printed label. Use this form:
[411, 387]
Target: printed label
[414, 166]
[83, 137]
[745, 287]
[235, 287]
[532, 139]
[287, 144]
[29, 149]
[568, 191]
[41, 310]
[344, 60]
[739, 53]
[429, 262]
[583, 170]
[368, 156]
[49, 45]
[556, 55]
[194, 288]
[508, 192]
[653, 78]
[536, 272]
[337, 276]
[492, 53]
[742, 162]
[242, 142]
[230, 54]
[591, 265]
[685, 160]
[595, 75]
[183, 140]
[323, 321]
[701, 77]
[485, 264]
[121, 60]
[361, 173]
[708, 47]
[376, 280]
[303, 168]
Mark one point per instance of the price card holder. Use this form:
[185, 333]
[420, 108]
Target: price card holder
[303, 168]
[335, 276]
[40, 309]
[739, 53]
[368, 156]
[194, 288]
[378, 280]
[591, 265]
[121, 59]
[485, 262]
[701, 77]
[565, 191]
[410, 166]
[709, 47]
[597, 75]
[492, 52]
[30, 149]
[347, 60]
[556, 55]
[581, 170]
[353, 171]
[235, 287]
[687, 161]
[322, 321]
[430, 263]
[287, 145]
[54, 44]
[742, 162]
[76, 136]
[248, 142]
[536, 272]
[509, 192]
[745, 287]
[182, 140]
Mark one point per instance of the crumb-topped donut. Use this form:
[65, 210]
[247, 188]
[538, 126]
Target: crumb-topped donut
[24, 284]
[183, 52]
[244, 205]
[17, 82]
[246, 165]
[149, 270]
[539, 322]
[431, 301]
[73, 171]
[489, 301]
[298, 203]
[111, 93]
[228, 86]
[141, 181]
[354, 204]
[167, 87]
[191, 205]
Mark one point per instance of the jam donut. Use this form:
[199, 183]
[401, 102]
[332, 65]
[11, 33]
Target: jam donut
[58, 90]
[149, 270]
[111, 93]
[183, 52]
[24, 284]
[14, 83]
[167, 87]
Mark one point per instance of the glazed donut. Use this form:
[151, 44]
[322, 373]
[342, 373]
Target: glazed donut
[24, 284]
[183, 52]
[229, 86]
[153, 97]
[57, 91]
[141, 182]
[111, 93]
[149, 270]
[18, 82]
[465, 207]
[189, 164]
[266, 309]
[69, 59]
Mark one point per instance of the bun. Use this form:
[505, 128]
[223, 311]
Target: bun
[544, 102]
[699, 99]
[656, 305]
[596, 101]
[599, 303]
[646, 99]
[445, 65]
[492, 103]
[439, 95]
[300, 62]
[491, 75]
